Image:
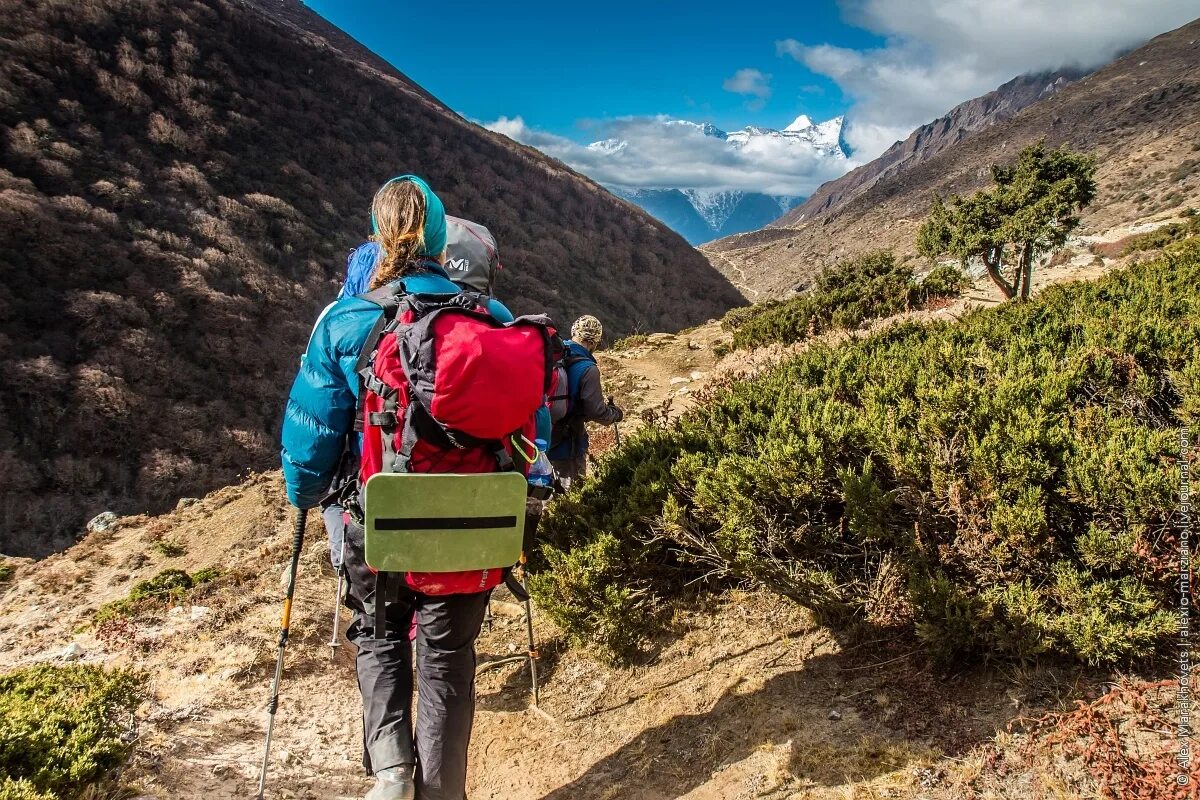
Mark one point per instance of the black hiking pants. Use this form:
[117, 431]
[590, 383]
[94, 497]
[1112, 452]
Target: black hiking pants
[444, 648]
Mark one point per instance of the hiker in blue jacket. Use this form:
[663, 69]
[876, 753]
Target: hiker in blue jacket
[318, 429]
[585, 401]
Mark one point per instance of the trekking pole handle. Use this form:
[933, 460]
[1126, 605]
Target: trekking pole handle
[616, 425]
[297, 545]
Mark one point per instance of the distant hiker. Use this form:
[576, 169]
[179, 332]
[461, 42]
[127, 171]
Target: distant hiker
[319, 439]
[581, 401]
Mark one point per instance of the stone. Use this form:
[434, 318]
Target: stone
[835, 715]
[677, 381]
[199, 612]
[697, 375]
[72, 652]
[102, 522]
[694, 345]
[683, 391]
[503, 608]
[185, 502]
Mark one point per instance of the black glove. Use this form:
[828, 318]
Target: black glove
[620, 413]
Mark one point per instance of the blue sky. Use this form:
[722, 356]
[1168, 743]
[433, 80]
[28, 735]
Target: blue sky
[560, 65]
[561, 75]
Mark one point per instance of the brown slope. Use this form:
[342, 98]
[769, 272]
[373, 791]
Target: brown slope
[179, 185]
[1140, 116]
[931, 139]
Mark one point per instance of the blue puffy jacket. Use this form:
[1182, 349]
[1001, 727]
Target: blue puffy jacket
[320, 408]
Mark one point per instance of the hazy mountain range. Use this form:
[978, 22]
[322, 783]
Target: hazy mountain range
[701, 214]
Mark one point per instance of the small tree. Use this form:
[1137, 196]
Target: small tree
[1031, 210]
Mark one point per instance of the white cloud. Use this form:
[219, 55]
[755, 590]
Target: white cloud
[939, 53]
[752, 83]
[657, 152]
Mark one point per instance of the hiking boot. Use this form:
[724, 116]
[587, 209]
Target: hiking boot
[394, 783]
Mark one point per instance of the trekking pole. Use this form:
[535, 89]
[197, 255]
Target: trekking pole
[616, 425]
[534, 655]
[273, 705]
[334, 644]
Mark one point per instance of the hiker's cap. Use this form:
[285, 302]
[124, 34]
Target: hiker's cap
[587, 330]
[471, 255]
[435, 217]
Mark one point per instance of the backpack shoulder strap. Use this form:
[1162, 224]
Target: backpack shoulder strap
[389, 299]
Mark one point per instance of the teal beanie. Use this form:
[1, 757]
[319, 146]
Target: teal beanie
[435, 217]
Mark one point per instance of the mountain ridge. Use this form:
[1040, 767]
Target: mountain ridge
[931, 138]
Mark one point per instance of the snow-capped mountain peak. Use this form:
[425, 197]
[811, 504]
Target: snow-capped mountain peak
[802, 122]
[608, 146]
[824, 138]
[829, 133]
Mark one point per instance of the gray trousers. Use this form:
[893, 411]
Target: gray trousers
[446, 629]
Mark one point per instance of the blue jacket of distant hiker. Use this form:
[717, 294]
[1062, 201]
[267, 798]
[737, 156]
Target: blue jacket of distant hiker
[320, 408]
[585, 402]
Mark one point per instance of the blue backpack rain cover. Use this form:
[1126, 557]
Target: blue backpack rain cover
[360, 266]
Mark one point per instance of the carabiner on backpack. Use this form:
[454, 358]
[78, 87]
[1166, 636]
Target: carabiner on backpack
[518, 449]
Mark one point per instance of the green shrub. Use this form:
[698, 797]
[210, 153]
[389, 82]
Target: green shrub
[168, 586]
[205, 574]
[944, 280]
[1016, 466]
[64, 729]
[168, 548]
[738, 316]
[1162, 236]
[860, 289]
[631, 341]
[6, 571]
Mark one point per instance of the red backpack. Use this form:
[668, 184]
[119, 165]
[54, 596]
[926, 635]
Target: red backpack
[445, 387]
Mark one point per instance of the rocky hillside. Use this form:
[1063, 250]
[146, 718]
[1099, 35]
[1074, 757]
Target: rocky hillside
[931, 139]
[179, 185]
[1139, 115]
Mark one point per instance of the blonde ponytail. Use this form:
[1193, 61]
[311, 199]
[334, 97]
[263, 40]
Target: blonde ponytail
[399, 213]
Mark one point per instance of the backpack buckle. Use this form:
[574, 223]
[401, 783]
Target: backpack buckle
[504, 461]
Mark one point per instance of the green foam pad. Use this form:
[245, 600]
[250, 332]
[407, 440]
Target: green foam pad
[443, 523]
